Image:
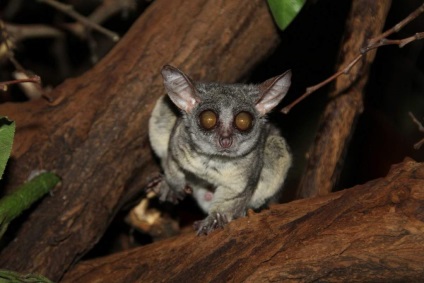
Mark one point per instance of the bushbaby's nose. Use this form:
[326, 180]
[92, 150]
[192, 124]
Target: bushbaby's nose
[225, 142]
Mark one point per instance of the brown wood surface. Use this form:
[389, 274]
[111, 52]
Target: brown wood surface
[325, 158]
[94, 133]
[370, 233]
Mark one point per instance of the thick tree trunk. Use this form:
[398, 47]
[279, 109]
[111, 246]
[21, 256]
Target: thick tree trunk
[338, 122]
[94, 133]
[370, 233]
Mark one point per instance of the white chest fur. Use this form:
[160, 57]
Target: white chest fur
[215, 170]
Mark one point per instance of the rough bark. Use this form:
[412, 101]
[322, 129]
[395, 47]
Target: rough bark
[338, 122]
[94, 133]
[370, 233]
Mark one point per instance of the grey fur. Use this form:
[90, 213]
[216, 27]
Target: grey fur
[225, 181]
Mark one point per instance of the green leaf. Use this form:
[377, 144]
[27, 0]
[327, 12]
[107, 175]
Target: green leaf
[11, 206]
[15, 277]
[284, 11]
[7, 132]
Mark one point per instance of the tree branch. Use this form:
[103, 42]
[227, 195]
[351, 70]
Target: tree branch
[363, 234]
[373, 43]
[420, 128]
[34, 79]
[69, 10]
[94, 133]
[337, 124]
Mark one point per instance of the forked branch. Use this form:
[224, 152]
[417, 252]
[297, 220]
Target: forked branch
[380, 40]
[69, 10]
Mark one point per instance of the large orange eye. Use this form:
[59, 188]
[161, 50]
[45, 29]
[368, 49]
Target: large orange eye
[208, 119]
[243, 121]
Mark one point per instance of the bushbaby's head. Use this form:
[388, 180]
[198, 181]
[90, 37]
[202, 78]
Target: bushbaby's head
[224, 119]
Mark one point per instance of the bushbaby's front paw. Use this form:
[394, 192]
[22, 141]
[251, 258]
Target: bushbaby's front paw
[153, 186]
[213, 221]
[170, 195]
[160, 187]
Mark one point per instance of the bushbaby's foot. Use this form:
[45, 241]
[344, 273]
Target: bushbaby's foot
[170, 195]
[213, 221]
[159, 186]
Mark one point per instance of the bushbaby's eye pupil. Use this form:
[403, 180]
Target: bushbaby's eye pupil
[208, 119]
[243, 121]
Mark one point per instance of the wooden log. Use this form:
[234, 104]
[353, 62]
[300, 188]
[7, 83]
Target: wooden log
[325, 158]
[370, 233]
[94, 133]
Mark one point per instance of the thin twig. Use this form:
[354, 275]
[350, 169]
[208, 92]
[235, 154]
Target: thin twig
[420, 128]
[419, 144]
[102, 12]
[5, 38]
[110, 7]
[374, 43]
[399, 25]
[313, 88]
[20, 32]
[418, 123]
[34, 79]
[19, 68]
[68, 9]
[400, 42]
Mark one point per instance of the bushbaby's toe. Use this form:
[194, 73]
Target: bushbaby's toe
[213, 221]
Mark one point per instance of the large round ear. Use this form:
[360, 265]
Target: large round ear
[272, 91]
[180, 88]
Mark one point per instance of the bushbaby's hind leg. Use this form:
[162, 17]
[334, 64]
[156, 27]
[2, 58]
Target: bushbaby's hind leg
[277, 161]
[161, 123]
